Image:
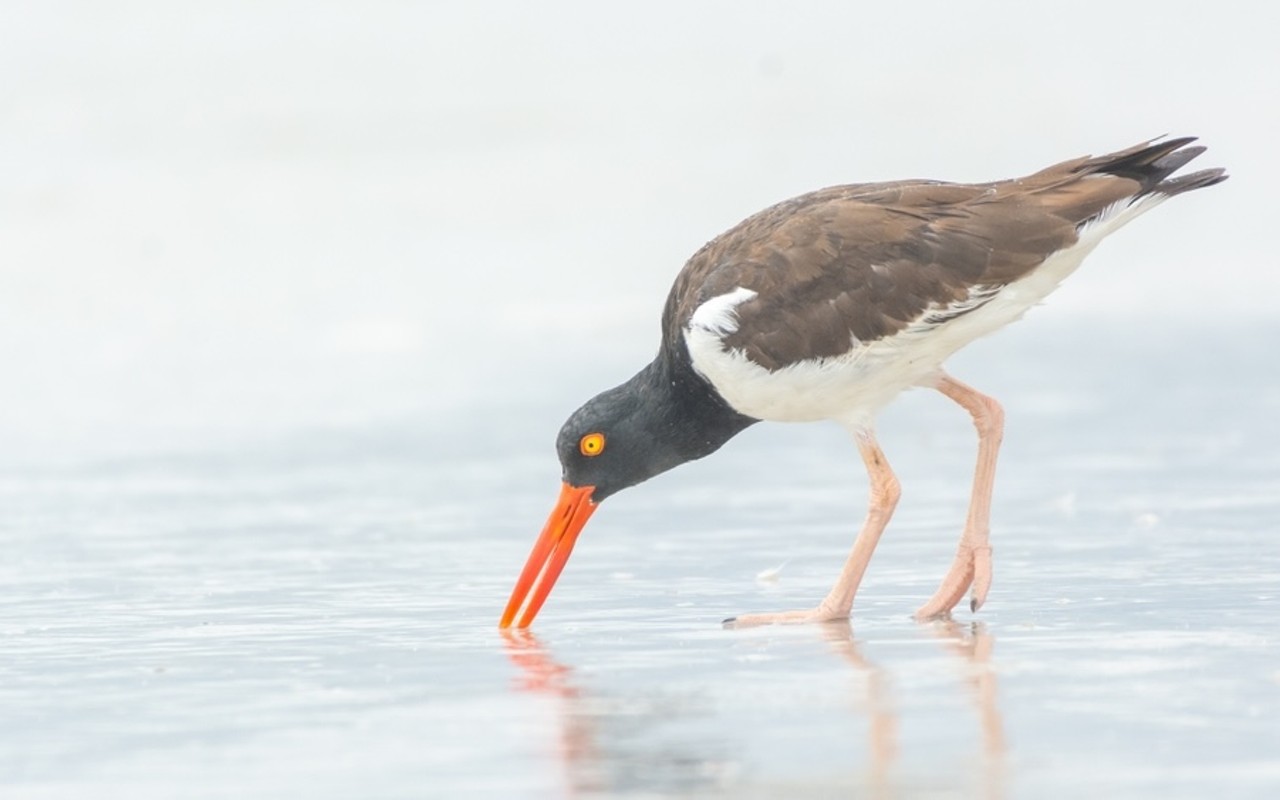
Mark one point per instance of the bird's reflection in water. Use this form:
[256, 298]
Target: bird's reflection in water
[609, 745]
[541, 674]
[620, 744]
[883, 735]
[973, 644]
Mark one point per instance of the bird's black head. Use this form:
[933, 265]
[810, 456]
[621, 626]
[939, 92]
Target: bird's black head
[659, 419]
[609, 444]
[664, 416]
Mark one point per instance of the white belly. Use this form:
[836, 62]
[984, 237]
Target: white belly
[853, 387]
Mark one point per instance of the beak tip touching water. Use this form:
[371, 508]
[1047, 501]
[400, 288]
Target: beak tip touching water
[549, 555]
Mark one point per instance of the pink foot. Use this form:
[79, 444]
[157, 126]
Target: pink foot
[971, 568]
[819, 614]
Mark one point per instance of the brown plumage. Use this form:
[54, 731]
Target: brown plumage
[863, 261]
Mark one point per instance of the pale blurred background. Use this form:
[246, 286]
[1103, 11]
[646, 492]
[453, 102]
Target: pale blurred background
[223, 221]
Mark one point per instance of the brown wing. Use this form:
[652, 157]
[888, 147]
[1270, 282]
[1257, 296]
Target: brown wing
[863, 261]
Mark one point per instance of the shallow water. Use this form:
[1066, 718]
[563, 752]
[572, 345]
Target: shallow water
[315, 615]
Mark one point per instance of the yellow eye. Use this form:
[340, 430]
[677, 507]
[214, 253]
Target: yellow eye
[592, 444]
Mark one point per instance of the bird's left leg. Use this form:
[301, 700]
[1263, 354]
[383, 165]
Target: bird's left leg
[972, 565]
[884, 497]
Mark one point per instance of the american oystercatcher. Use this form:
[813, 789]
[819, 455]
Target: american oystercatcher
[827, 306]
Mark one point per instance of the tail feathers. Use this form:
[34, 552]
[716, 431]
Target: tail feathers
[1176, 160]
[1151, 163]
[1194, 180]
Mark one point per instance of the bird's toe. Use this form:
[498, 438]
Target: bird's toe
[981, 577]
[785, 618]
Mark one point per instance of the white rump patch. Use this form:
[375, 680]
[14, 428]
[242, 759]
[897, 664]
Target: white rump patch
[719, 314]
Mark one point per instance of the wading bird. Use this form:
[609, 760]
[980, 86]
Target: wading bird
[826, 306]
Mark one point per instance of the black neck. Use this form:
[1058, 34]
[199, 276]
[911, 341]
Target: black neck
[664, 415]
[696, 416]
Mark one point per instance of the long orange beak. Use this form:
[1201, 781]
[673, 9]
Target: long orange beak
[549, 555]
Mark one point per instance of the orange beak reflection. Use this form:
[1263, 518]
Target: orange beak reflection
[549, 555]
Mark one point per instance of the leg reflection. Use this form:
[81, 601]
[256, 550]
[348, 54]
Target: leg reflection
[883, 734]
[974, 644]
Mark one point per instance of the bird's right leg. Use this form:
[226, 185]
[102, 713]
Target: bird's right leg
[884, 498]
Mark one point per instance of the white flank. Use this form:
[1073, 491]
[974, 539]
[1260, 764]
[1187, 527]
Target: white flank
[853, 387]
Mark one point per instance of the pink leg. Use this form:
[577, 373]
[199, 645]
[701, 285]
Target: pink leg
[884, 496]
[972, 565]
